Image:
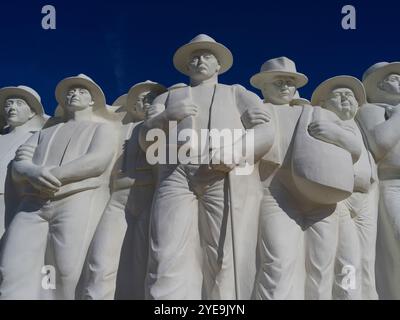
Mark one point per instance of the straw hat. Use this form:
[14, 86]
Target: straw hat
[203, 41]
[81, 81]
[141, 87]
[281, 66]
[326, 87]
[376, 73]
[31, 97]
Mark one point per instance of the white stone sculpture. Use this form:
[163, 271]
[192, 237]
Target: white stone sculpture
[125, 222]
[204, 216]
[355, 258]
[22, 114]
[298, 230]
[380, 119]
[63, 173]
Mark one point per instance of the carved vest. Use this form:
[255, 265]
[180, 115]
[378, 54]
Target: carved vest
[55, 150]
[224, 112]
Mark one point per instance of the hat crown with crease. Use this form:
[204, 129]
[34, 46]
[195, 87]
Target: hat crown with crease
[279, 64]
[322, 92]
[374, 68]
[81, 80]
[203, 42]
[376, 73]
[141, 87]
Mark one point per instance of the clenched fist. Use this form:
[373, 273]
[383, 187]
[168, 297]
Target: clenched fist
[255, 116]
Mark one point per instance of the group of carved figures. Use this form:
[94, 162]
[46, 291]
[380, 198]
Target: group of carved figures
[318, 217]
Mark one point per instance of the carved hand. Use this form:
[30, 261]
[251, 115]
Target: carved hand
[154, 110]
[42, 179]
[255, 116]
[25, 152]
[324, 130]
[180, 111]
[226, 159]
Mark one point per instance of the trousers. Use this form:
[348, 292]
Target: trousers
[296, 251]
[117, 260]
[190, 254]
[49, 233]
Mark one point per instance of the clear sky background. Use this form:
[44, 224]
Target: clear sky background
[119, 43]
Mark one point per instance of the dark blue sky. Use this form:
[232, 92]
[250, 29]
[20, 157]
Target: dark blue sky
[119, 43]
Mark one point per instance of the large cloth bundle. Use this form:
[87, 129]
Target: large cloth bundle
[322, 172]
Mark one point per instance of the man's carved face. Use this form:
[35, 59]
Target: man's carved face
[17, 112]
[203, 65]
[342, 102]
[280, 90]
[144, 100]
[391, 84]
[78, 98]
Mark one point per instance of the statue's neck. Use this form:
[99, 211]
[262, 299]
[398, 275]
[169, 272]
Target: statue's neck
[81, 115]
[21, 128]
[266, 100]
[212, 80]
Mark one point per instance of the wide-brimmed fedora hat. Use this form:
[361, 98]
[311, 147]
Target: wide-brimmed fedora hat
[203, 41]
[325, 88]
[378, 72]
[281, 66]
[84, 81]
[31, 97]
[141, 87]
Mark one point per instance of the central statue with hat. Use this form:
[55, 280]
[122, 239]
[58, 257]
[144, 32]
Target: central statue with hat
[63, 174]
[204, 218]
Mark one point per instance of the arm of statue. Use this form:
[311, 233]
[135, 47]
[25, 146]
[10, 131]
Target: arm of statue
[382, 135]
[255, 117]
[263, 123]
[98, 157]
[23, 169]
[337, 133]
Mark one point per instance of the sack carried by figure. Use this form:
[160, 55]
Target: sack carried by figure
[322, 172]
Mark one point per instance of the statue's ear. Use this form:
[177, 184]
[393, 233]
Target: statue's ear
[91, 103]
[380, 85]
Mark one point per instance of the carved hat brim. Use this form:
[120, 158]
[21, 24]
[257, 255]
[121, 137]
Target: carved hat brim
[222, 53]
[258, 80]
[95, 90]
[325, 88]
[371, 81]
[31, 100]
[141, 87]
